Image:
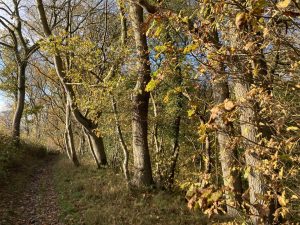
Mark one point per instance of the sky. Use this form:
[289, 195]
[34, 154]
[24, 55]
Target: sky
[3, 102]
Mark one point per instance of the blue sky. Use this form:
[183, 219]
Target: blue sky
[3, 102]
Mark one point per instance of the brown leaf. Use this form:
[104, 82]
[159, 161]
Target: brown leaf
[240, 19]
[249, 45]
[214, 112]
[228, 105]
[192, 201]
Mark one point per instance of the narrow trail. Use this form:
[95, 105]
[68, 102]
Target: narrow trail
[36, 203]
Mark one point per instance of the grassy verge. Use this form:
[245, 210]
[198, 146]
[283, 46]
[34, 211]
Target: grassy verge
[90, 196]
[15, 161]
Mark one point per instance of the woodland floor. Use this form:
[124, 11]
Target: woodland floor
[51, 191]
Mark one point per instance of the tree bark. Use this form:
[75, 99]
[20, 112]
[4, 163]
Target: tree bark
[207, 151]
[123, 21]
[98, 147]
[158, 144]
[69, 138]
[249, 132]
[228, 154]
[20, 101]
[92, 150]
[121, 140]
[250, 118]
[176, 125]
[175, 150]
[142, 163]
[81, 147]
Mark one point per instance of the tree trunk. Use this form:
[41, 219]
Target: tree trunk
[176, 125]
[81, 147]
[207, 151]
[142, 163]
[158, 144]
[121, 140]
[67, 146]
[97, 148]
[250, 118]
[175, 149]
[69, 138]
[92, 149]
[20, 102]
[123, 21]
[228, 155]
[249, 132]
[37, 127]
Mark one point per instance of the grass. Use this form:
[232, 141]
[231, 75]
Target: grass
[93, 197]
[15, 161]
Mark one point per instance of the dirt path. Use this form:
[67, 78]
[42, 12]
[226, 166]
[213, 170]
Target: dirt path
[36, 204]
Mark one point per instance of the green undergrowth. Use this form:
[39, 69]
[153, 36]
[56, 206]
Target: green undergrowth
[16, 162]
[90, 196]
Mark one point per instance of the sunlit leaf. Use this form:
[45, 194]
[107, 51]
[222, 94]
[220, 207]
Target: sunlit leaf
[190, 48]
[292, 128]
[283, 4]
[282, 199]
[228, 105]
[281, 173]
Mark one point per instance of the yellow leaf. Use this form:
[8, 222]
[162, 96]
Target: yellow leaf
[266, 32]
[292, 128]
[294, 197]
[281, 173]
[215, 196]
[282, 200]
[161, 48]
[202, 133]
[191, 112]
[166, 98]
[158, 31]
[283, 4]
[202, 129]
[190, 48]
[185, 19]
[151, 85]
[247, 172]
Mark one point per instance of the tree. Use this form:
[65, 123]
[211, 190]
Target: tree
[89, 126]
[141, 156]
[15, 40]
